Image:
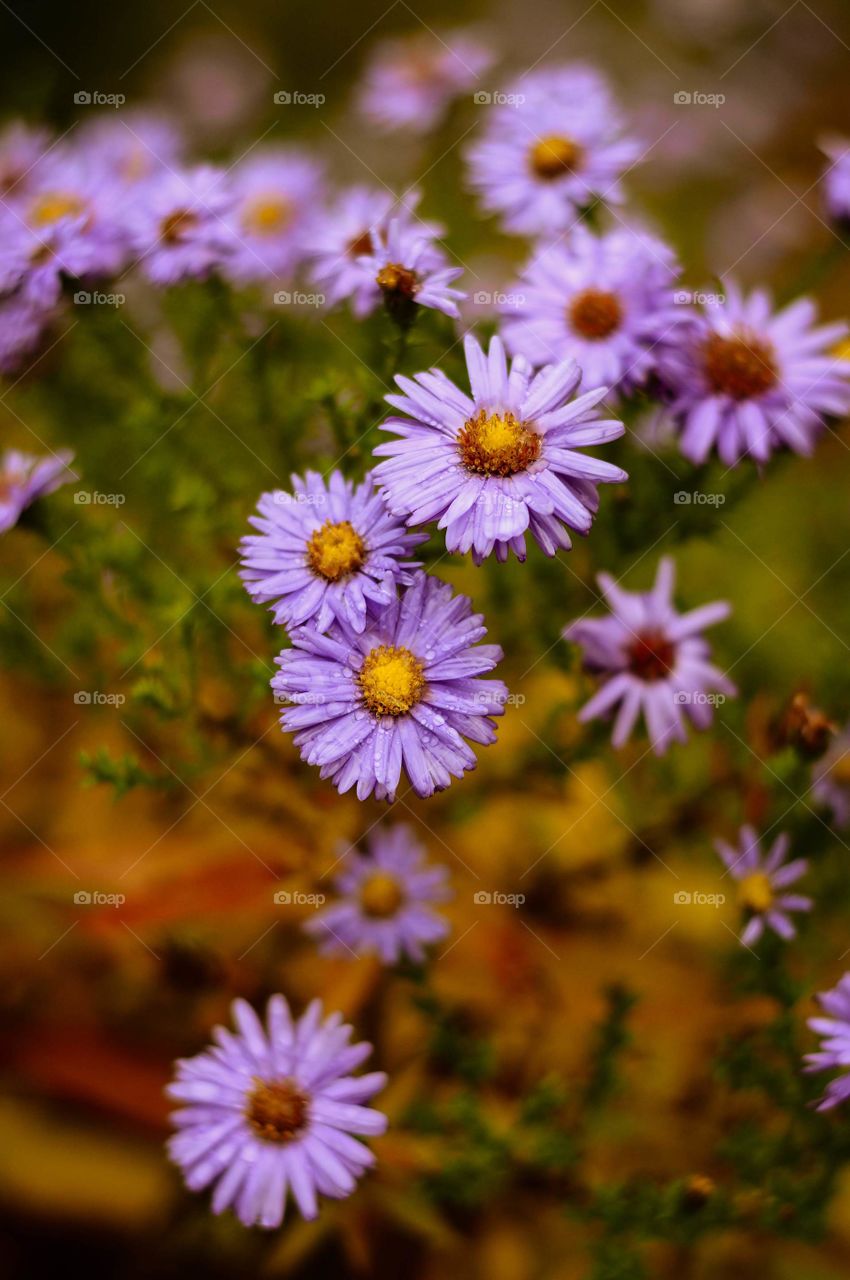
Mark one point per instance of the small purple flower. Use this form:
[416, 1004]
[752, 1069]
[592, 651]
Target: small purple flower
[25, 478]
[272, 1109]
[762, 880]
[276, 192]
[341, 244]
[411, 81]
[831, 779]
[654, 661]
[386, 901]
[552, 148]
[405, 693]
[834, 1054]
[836, 179]
[408, 270]
[747, 381]
[177, 225]
[326, 551]
[133, 145]
[606, 301]
[498, 463]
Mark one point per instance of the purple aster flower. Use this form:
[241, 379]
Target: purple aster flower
[654, 661]
[605, 301]
[326, 551]
[552, 148]
[21, 328]
[21, 148]
[404, 692]
[276, 192]
[409, 270]
[834, 1054]
[341, 244]
[268, 1110]
[836, 179]
[499, 462]
[133, 145]
[412, 80]
[831, 779]
[178, 227]
[762, 879]
[746, 381]
[386, 901]
[25, 478]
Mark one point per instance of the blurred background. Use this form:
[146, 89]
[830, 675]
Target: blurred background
[599, 1082]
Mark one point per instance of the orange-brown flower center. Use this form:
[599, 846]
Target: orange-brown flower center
[651, 656]
[335, 550]
[553, 156]
[398, 281]
[54, 205]
[381, 895]
[595, 313]
[360, 244]
[740, 366]
[496, 444]
[173, 228]
[392, 680]
[276, 1110]
[267, 215]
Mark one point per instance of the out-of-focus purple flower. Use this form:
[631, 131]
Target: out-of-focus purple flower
[178, 227]
[550, 149]
[271, 1109]
[386, 901]
[21, 328]
[831, 779]
[24, 478]
[834, 1053]
[411, 81]
[762, 880]
[498, 463]
[405, 693]
[836, 178]
[21, 148]
[276, 194]
[326, 551]
[408, 270]
[746, 380]
[606, 301]
[654, 661]
[133, 145]
[341, 244]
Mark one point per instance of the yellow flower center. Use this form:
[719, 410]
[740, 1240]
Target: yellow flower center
[755, 892]
[335, 550]
[840, 771]
[553, 156]
[267, 215]
[739, 367]
[398, 281]
[595, 313]
[55, 205]
[381, 895]
[496, 444]
[391, 680]
[276, 1110]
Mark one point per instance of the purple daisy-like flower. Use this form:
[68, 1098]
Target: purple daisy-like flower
[133, 145]
[498, 463]
[25, 478]
[386, 901]
[747, 381]
[177, 226]
[654, 660]
[341, 244]
[606, 301]
[405, 692]
[762, 880]
[411, 81]
[831, 779]
[326, 551]
[834, 1053]
[275, 195]
[551, 148]
[269, 1110]
[836, 178]
[408, 270]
